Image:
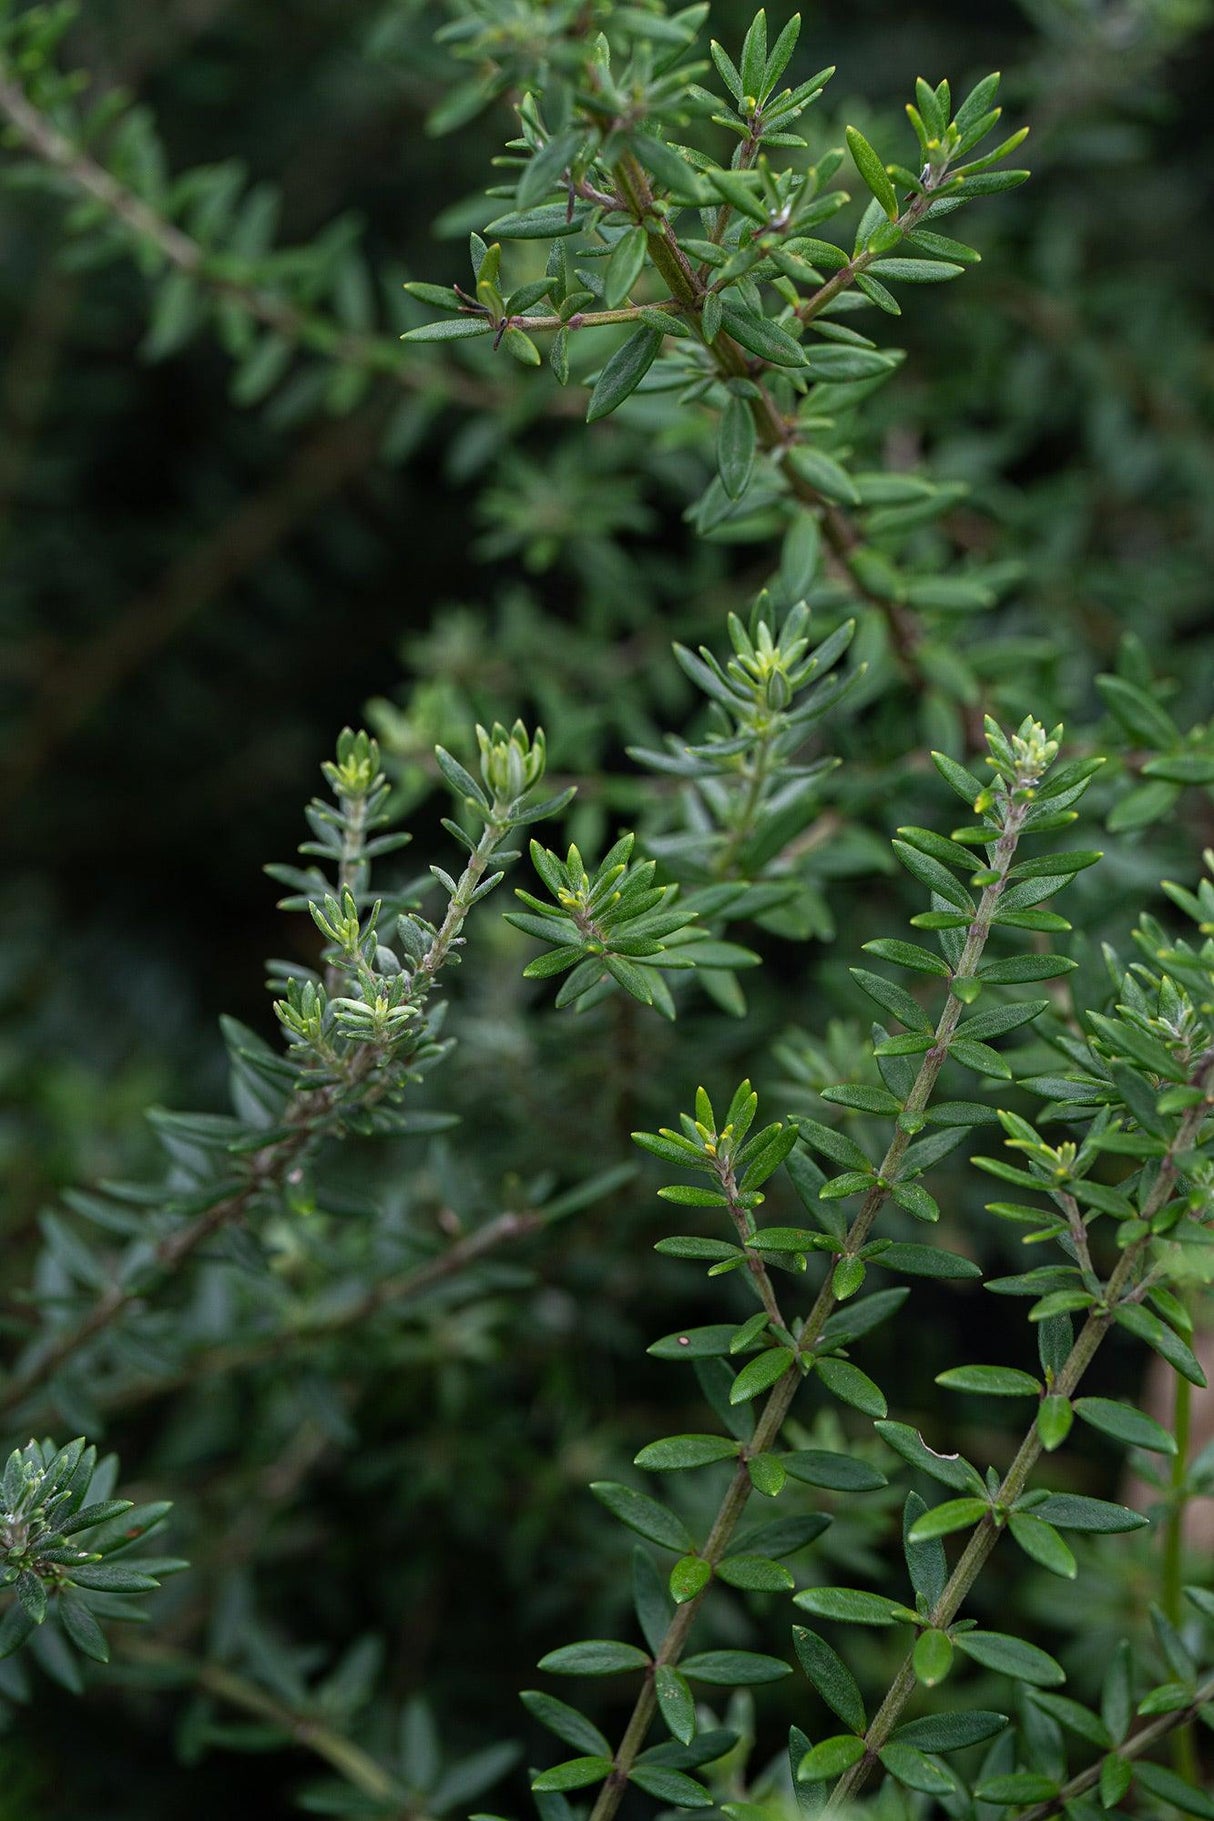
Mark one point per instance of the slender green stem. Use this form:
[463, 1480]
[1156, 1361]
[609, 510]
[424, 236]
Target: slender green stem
[460, 902]
[351, 868]
[776, 432]
[744, 1227]
[311, 1115]
[973, 1558]
[755, 775]
[1136, 1746]
[839, 281]
[403, 1287]
[590, 319]
[771, 1421]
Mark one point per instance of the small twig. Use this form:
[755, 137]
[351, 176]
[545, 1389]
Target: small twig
[780, 1399]
[303, 1729]
[307, 328]
[1136, 1746]
[403, 1286]
[987, 1533]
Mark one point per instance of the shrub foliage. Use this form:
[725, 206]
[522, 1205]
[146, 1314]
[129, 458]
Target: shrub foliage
[857, 800]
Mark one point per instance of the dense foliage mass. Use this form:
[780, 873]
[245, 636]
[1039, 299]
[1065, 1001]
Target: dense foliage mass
[821, 714]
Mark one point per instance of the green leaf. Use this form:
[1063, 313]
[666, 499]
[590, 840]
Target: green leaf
[734, 1668]
[800, 555]
[1053, 1420]
[926, 1261]
[711, 1342]
[918, 272]
[832, 1144]
[766, 1160]
[779, 1536]
[1019, 968]
[31, 1595]
[931, 873]
[852, 1606]
[1165, 1341]
[676, 1703]
[1011, 1657]
[767, 1474]
[593, 1657]
[679, 1451]
[1017, 1786]
[942, 1520]
[831, 1677]
[575, 1773]
[1138, 713]
[926, 1563]
[624, 372]
[736, 442]
[951, 1731]
[915, 1199]
[755, 1573]
[1174, 1789]
[893, 999]
[830, 1759]
[689, 1577]
[1043, 1543]
[824, 474]
[673, 1786]
[455, 328]
[83, 1629]
[990, 1381]
[550, 221]
[916, 1770]
[760, 1373]
[625, 266]
[873, 172]
[753, 66]
[761, 336]
[908, 954]
[852, 1386]
[838, 1472]
[671, 170]
[863, 1099]
[847, 1278]
[733, 188]
[684, 1195]
[105, 1577]
[691, 1245]
[1182, 768]
[1125, 1424]
[949, 1469]
[566, 1722]
[933, 1657]
[644, 1515]
[1071, 1511]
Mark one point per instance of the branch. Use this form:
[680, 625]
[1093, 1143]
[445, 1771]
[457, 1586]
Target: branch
[145, 224]
[314, 1112]
[1136, 1746]
[974, 1556]
[776, 432]
[504, 1229]
[781, 1398]
[312, 1734]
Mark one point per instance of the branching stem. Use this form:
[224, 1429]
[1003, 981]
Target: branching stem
[1015, 1481]
[771, 1421]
